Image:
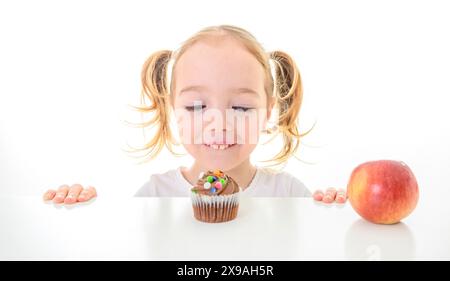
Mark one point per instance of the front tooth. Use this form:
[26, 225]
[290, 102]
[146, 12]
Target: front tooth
[220, 146]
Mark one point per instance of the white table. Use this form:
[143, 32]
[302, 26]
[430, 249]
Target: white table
[164, 228]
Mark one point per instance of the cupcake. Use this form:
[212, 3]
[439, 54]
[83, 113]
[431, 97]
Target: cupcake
[215, 197]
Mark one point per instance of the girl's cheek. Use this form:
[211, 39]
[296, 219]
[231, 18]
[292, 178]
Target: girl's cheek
[189, 127]
[185, 128]
[252, 130]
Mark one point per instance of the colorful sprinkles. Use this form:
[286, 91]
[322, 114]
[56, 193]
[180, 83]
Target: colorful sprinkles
[214, 182]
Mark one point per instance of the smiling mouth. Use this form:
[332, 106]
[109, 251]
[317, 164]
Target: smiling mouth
[219, 146]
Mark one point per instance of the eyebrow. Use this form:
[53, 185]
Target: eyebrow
[200, 88]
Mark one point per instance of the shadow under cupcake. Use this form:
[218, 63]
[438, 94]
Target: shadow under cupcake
[215, 198]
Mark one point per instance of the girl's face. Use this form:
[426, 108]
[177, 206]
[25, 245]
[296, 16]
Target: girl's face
[219, 103]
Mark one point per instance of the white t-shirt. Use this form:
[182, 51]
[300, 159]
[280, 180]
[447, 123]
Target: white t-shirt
[265, 183]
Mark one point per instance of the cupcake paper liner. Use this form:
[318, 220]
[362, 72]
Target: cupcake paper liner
[213, 209]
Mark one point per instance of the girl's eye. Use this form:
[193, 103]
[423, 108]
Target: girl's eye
[195, 107]
[241, 108]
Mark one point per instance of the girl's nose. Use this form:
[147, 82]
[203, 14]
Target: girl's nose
[219, 121]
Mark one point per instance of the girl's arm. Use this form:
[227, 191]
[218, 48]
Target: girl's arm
[331, 195]
[70, 195]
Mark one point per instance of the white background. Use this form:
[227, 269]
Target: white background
[375, 73]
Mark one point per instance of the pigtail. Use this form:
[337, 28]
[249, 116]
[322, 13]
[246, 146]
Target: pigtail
[288, 92]
[154, 82]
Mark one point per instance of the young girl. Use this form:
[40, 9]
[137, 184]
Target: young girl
[222, 91]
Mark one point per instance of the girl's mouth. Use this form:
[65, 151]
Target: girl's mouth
[219, 146]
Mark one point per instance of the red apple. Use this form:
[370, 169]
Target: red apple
[383, 191]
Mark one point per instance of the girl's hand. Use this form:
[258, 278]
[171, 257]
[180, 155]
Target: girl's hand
[331, 195]
[70, 195]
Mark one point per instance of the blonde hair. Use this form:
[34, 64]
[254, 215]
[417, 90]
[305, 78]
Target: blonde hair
[286, 87]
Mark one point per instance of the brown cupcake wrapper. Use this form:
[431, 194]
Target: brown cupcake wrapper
[214, 209]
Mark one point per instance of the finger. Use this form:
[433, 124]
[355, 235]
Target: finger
[49, 194]
[318, 195]
[72, 196]
[87, 194]
[84, 196]
[61, 194]
[93, 191]
[341, 196]
[330, 195]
